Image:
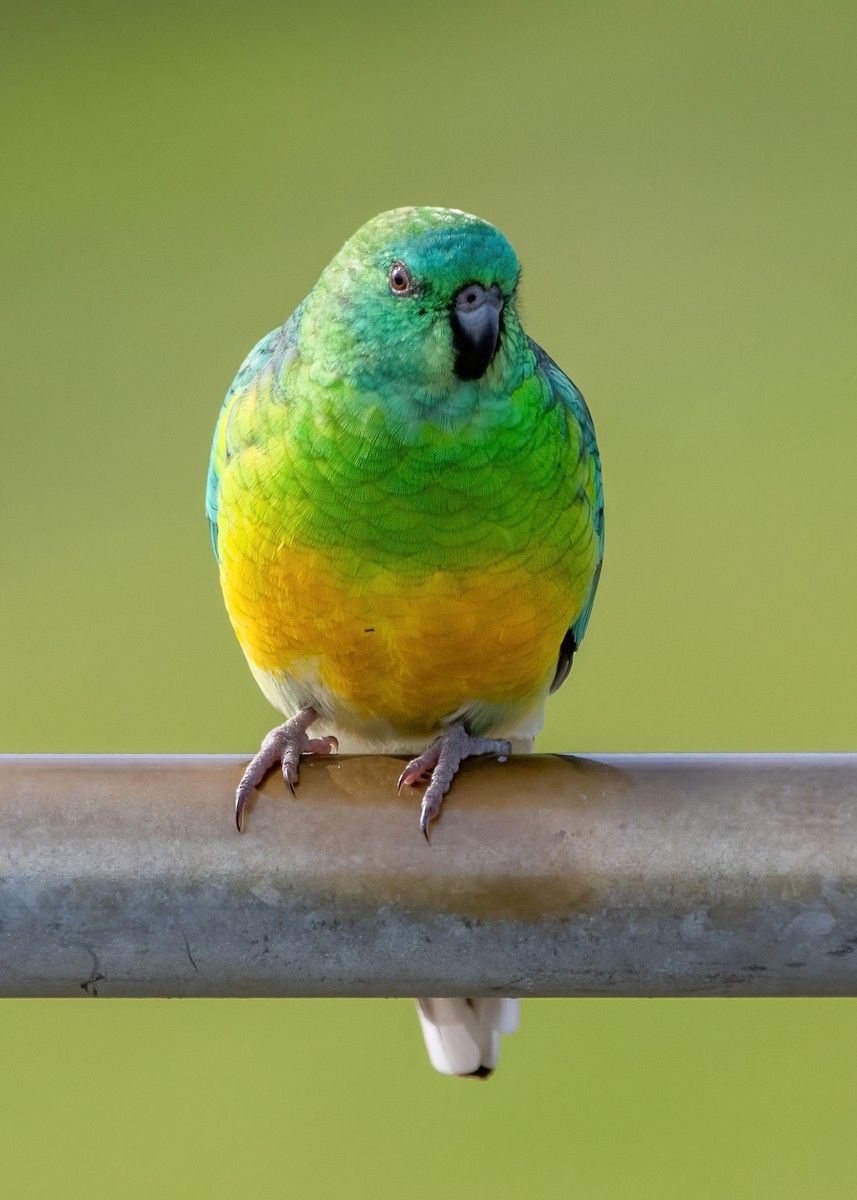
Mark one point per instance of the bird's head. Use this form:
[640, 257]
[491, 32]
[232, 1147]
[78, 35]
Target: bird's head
[419, 299]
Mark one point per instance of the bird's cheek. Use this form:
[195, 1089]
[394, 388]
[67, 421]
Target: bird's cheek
[439, 352]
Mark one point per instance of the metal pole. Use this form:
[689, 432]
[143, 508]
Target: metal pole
[653, 875]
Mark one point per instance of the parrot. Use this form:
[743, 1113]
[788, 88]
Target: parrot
[406, 505]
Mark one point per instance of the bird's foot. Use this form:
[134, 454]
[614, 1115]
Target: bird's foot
[442, 760]
[283, 745]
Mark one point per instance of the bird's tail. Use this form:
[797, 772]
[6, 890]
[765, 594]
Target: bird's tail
[463, 1036]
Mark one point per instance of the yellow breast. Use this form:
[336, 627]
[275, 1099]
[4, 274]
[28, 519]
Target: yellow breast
[387, 647]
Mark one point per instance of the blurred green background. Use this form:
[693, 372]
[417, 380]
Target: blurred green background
[679, 181]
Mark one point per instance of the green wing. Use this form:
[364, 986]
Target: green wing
[267, 357]
[565, 391]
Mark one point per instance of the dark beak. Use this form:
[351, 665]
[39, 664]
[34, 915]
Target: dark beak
[475, 316]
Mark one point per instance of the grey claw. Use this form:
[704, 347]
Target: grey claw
[285, 743]
[441, 762]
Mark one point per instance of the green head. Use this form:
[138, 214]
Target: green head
[420, 299]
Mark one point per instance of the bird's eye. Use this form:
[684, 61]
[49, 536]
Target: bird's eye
[401, 280]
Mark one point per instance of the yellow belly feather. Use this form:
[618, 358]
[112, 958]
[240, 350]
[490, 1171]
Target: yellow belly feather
[386, 647]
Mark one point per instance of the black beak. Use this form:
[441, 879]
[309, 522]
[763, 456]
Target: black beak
[476, 316]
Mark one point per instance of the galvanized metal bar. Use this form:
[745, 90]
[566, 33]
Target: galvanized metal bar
[652, 875]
